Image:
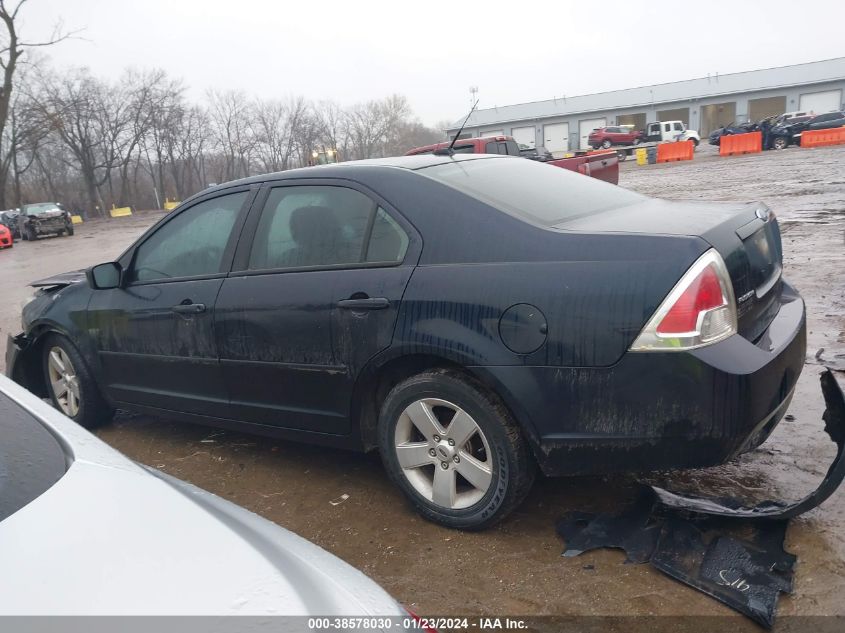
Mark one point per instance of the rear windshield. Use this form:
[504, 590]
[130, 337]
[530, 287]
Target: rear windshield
[538, 192]
[31, 460]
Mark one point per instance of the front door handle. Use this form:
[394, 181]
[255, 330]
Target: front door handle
[189, 308]
[376, 303]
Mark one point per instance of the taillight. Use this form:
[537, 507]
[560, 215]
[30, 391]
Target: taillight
[699, 311]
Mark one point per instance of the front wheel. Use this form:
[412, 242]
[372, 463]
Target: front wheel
[71, 386]
[780, 142]
[454, 450]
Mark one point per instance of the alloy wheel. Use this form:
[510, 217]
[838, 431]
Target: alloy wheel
[63, 381]
[443, 453]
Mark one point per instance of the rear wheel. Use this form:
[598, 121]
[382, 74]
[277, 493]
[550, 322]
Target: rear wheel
[70, 385]
[454, 450]
[606, 143]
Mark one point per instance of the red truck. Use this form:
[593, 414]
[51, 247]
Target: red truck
[608, 136]
[603, 165]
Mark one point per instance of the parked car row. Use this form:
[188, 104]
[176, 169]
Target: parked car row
[783, 130]
[33, 221]
[655, 132]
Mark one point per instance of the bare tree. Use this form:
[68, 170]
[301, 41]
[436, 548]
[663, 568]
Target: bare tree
[231, 116]
[332, 127]
[371, 124]
[12, 50]
[278, 130]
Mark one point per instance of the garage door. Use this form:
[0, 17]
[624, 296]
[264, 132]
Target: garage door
[678, 114]
[524, 135]
[493, 133]
[556, 138]
[715, 115]
[585, 127]
[821, 102]
[637, 120]
[759, 109]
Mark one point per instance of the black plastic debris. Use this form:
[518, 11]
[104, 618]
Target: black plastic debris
[834, 417]
[721, 547]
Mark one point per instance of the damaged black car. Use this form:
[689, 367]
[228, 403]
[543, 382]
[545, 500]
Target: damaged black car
[472, 318]
[44, 218]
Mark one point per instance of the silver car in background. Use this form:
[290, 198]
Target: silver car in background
[86, 531]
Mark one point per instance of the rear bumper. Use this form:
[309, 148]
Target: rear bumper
[660, 410]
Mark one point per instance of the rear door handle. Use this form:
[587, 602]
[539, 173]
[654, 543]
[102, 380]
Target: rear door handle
[376, 303]
[189, 308]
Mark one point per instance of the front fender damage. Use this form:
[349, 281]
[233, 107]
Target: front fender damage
[720, 546]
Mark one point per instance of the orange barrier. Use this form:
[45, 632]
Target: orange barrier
[732, 144]
[681, 150]
[822, 138]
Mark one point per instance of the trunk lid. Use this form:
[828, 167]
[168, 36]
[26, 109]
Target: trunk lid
[746, 235]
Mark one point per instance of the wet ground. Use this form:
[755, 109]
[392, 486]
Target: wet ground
[515, 568]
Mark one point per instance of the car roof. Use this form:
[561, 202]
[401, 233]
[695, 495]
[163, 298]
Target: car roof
[348, 168]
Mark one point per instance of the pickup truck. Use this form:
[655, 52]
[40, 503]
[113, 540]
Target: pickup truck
[607, 137]
[664, 131]
[601, 165]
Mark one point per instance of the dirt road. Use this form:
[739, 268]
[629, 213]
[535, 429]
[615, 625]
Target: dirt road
[516, 567]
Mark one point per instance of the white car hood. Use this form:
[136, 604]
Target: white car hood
[110, 538]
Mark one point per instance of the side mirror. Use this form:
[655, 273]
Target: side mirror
[105, 276]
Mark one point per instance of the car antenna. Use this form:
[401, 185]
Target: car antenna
[448, 151]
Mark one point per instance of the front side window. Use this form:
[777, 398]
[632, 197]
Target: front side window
[190, 244]
[679, 127]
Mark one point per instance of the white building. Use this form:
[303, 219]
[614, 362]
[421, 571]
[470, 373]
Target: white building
[704, 104]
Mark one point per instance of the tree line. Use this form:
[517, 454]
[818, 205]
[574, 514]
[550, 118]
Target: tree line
[91, 143]
[69, 136]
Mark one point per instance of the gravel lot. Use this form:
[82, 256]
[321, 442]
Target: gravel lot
[515, 568]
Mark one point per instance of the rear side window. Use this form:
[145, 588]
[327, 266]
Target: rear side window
[388, 241]
[311, 226]
[538, 193]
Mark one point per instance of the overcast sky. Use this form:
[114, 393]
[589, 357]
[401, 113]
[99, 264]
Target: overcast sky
[433, 51]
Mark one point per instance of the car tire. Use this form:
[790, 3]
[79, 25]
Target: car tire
[72, 388]
[606, 143]
[490, 450]
[780, 143]
[637, 141]
[694, 143]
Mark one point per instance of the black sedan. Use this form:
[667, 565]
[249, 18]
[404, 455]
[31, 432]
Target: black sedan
[471, 317]
[782, 136]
